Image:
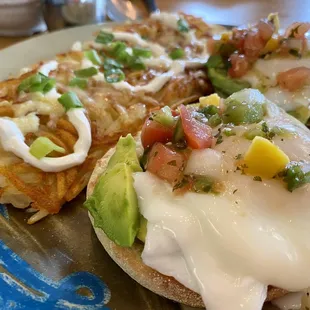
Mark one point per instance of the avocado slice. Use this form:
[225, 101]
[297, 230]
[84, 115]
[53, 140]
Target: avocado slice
[244, 107]
[125, 152]
[143, 229]
[114, 205]
[301, 113]
[224, 85]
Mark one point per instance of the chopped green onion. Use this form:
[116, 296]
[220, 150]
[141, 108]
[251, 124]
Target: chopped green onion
[141, 52]
[183, 25]
[37, 83]
[124, 57]
[177, 53]
[104, 37]
[117, 48]
[42, 146]
[93, 56]
[29, 81]
[114, 75]
[110, 63]
[70, 100]
[136, 64]
[88, 72]
[81, 83]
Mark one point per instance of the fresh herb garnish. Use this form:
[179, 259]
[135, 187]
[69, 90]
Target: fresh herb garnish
[257, 178]
[172, 163]
[239, 156]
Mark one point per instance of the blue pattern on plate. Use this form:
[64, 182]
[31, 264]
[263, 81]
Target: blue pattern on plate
[4, 211]
[22, 287]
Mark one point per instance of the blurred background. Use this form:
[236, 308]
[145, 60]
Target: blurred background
[20, 19]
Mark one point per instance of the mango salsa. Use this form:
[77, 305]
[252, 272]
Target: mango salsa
[264, 159]
[213, 99]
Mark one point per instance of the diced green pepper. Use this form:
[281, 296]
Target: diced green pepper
[164, 117]
[295, 177]
[178, 135]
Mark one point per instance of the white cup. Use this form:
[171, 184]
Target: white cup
[21, 17]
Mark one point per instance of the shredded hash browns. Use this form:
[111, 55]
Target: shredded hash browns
[111, 113]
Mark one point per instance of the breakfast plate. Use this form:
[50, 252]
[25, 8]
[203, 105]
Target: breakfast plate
[59, 263]
[79, 104]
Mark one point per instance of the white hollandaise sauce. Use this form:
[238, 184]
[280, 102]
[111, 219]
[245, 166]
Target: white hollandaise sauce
[13, 140]
[291, 301]
[160, 56]
[229, 247]
[264, 74]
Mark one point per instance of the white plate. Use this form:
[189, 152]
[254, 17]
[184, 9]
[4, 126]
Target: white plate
[43, 47]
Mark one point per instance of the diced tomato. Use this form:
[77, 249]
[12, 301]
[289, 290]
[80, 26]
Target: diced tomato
[197, 134]
[239, 65]
[294, 79]
[153, 132]
[166, 163]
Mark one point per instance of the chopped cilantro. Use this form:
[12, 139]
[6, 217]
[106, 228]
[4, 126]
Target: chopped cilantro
[239, 156]
[172, 163]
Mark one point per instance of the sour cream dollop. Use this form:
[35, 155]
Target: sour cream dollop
[13, 140]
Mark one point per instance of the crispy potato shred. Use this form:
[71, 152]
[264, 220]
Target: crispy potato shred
[111, 113]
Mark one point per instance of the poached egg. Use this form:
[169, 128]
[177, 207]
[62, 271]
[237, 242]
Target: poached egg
[230, 247]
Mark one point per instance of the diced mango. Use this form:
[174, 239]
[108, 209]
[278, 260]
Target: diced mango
[264, 159]
[272, 44]
[213, 99]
